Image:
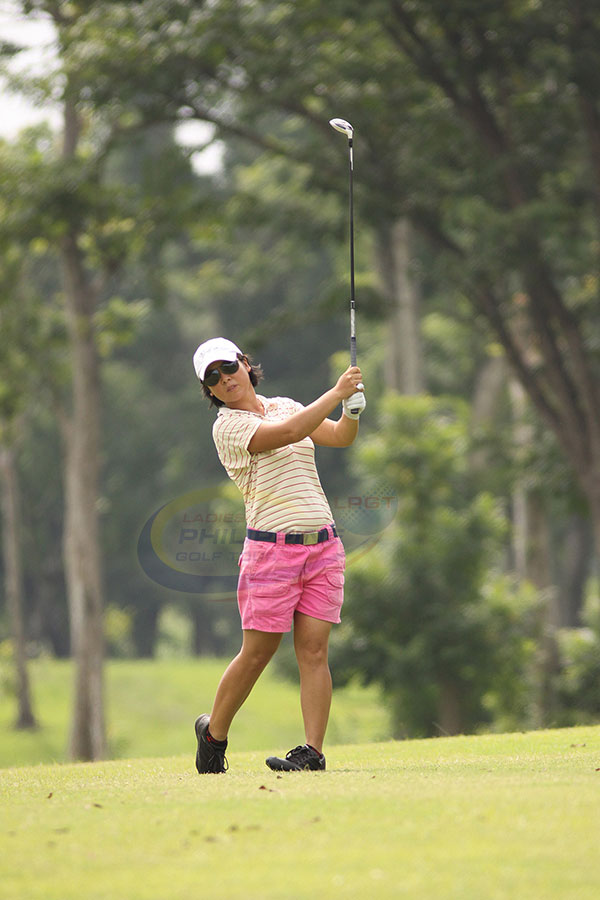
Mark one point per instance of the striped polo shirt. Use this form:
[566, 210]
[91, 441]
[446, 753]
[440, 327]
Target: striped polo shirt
[281, 488]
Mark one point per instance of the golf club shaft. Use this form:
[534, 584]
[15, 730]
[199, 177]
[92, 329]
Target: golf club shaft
[346, 128]
[352, 292]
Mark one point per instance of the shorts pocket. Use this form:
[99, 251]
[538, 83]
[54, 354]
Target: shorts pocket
[270, 598]
[336, 579]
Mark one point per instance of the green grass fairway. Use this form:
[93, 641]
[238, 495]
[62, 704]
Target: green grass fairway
[495, 816]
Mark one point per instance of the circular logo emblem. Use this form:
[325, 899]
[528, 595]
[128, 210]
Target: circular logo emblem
[193, 543]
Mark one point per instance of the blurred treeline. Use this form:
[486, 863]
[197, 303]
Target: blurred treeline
[477, 184]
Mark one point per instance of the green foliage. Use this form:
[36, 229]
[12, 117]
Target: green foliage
[425, 621]
[174, 634]
[118, 624]
[128, 203]
[472, 122]
[469, 121]
[117, 323]
[579, 675]
[31, 339]
[513, 632]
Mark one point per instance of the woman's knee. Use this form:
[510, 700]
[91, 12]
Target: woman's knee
[311, 641]
[257, 653]
[312, 653]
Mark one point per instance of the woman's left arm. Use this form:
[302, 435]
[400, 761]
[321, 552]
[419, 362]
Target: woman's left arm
[336, 434]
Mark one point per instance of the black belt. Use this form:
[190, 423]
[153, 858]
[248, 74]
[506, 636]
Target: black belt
[303, 537]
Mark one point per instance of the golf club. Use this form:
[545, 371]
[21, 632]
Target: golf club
[346, 128]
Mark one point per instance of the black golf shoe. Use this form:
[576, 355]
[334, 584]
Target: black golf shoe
[210, 755]
[297, 760]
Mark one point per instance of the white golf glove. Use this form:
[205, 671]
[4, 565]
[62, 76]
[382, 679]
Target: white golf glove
[354, 405]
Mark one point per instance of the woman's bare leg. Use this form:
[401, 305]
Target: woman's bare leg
[240, 677]
[311, 643]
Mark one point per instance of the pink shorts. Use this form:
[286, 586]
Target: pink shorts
[277, 580]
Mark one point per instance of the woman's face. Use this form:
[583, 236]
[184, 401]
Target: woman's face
[231, 389]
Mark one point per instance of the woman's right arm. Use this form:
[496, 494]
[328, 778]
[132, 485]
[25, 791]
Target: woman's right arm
[271, 435]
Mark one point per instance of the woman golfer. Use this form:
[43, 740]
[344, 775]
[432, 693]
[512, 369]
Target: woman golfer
[292, 564]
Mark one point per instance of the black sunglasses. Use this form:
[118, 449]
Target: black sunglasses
[226, 368]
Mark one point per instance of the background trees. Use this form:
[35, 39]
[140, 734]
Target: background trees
[477, 277]
[17, 379]
[452, 112]
[430, 612]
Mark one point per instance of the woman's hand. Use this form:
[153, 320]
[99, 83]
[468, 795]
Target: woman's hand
[349, 383]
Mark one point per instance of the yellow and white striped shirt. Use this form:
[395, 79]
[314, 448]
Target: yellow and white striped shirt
[281, 488]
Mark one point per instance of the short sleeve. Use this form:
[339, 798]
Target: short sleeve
[231, 435]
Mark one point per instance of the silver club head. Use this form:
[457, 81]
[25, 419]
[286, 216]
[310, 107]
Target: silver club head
[343, 126]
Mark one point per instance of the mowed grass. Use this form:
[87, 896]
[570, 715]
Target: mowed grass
[151, 707]
[495, 816]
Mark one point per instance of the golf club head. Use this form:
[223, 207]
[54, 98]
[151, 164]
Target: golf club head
[343, 126]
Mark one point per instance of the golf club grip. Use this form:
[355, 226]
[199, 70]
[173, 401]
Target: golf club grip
[352, 346]
[353, 360]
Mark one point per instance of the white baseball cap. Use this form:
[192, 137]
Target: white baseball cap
[213, 350]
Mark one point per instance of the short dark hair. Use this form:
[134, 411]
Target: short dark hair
[256, 375]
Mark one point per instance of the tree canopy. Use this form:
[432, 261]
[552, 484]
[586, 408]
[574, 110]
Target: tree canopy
[479, 123]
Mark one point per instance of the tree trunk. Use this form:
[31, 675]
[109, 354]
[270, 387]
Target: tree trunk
[51, 610]
[145, 628]
[532, 554]
[490, 384]
[403, 354]
[81, 532]
[576, 561]
[13, 580]
[522, 436]
[539, 572]
[202, 643]
[81, 527]
[449, 708]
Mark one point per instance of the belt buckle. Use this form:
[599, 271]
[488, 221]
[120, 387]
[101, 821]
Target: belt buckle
[310, 537]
